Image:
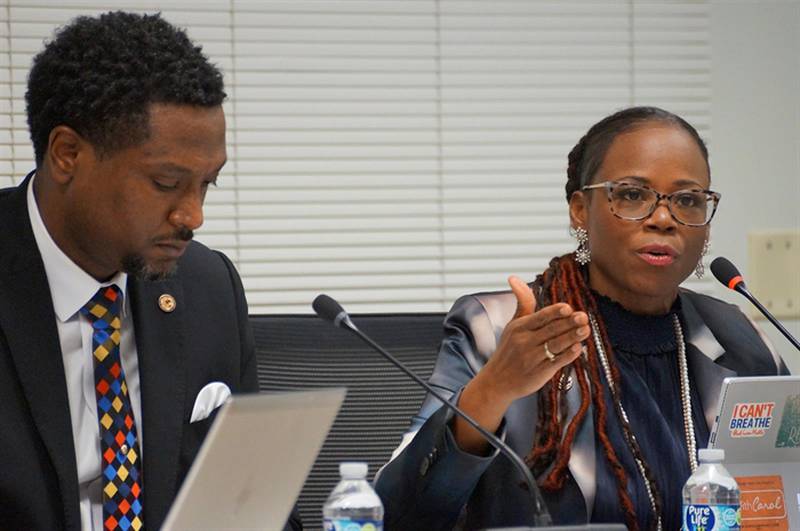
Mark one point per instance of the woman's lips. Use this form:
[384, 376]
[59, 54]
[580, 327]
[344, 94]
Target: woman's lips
[657, 255]
[657, 259]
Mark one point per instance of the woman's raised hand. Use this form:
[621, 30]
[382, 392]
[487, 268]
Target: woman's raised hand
[535, 344]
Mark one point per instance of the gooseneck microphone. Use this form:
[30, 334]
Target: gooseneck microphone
[727, 274]
[332, 311]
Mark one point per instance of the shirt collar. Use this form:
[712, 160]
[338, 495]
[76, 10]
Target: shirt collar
[70, 286]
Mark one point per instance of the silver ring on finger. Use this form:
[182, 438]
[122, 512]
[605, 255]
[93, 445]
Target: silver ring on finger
[550, 355]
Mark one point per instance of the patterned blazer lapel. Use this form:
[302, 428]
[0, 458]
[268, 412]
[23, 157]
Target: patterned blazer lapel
[162, 373]
[702, 351]
[582, 459]
[28, 322]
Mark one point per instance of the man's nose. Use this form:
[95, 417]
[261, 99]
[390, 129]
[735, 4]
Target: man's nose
[189, 212]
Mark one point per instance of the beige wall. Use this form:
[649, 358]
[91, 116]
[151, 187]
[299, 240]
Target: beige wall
[756, 132]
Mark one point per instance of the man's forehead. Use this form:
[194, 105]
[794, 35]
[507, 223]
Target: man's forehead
[180, 169]
[183, 127]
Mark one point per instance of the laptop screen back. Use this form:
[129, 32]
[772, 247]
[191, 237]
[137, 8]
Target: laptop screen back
[759, 420]
[758, 426]
[254, 461]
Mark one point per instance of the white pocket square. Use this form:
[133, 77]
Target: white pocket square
[208, 399]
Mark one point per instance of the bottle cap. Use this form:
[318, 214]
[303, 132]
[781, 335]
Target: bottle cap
[350, 470]
[711, 455]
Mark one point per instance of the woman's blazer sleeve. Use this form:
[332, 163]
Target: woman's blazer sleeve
[429, 479]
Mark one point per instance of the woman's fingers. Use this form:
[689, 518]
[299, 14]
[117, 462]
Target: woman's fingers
[571, 341]
[552, 321]
[566, 357]
[526, 302]
[545, 316]
[562, 333]
[521, 364]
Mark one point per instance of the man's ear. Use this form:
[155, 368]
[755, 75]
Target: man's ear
[66, 150]
[578, 209]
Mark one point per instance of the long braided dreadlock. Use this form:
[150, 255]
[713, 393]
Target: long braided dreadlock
[565, 281]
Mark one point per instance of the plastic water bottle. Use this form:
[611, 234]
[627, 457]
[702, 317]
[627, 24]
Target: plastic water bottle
[353, 505]
[711, 495]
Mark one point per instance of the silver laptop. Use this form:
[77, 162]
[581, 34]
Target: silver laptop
[254, 461]
[758, 426]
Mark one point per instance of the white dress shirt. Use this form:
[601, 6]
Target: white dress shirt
[71, 287]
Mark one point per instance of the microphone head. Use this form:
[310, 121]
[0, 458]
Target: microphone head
[327, 308]
[726, 273]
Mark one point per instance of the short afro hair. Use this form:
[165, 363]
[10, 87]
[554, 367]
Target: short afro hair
[100, 75]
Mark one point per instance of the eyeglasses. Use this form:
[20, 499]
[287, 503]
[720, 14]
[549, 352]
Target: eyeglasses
[635, 202]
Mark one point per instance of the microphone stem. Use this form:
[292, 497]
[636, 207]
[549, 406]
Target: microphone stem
[768, 315]
[541, 514]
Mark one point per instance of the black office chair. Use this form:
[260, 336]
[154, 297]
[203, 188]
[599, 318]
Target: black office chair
[304, 352]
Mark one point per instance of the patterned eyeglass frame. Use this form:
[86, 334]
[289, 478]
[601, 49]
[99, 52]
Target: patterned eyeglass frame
[610, 185]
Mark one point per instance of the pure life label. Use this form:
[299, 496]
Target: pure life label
[711, 517]
[347, 524]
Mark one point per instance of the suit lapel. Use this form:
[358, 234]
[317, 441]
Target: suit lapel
[159, 344]
[702, 350]
[582, 459]
[28, 321]
[523, 414]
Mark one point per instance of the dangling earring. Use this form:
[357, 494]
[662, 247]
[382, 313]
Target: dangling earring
[700, 269]
[582, 254]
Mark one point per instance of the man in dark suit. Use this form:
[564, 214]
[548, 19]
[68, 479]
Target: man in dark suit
[103, 407]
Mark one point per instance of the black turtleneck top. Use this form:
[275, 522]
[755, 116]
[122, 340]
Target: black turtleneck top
[645, 350]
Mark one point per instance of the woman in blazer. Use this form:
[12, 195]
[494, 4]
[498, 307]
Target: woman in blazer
[602, 373]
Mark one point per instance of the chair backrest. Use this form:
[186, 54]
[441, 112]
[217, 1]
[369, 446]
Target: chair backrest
[305, 352]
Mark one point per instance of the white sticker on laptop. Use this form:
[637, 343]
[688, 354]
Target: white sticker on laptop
[751, 419]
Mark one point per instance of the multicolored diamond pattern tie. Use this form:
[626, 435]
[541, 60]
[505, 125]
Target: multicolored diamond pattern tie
[119, 445]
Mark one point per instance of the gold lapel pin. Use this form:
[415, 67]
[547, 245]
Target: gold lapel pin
[167, 303]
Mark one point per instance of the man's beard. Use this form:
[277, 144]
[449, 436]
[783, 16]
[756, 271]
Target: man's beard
[136, 266]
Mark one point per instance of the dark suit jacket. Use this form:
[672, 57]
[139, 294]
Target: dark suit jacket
[207, 338]
[433, 485]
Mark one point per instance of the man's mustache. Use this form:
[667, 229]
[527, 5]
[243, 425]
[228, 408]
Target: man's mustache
[182, 234]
